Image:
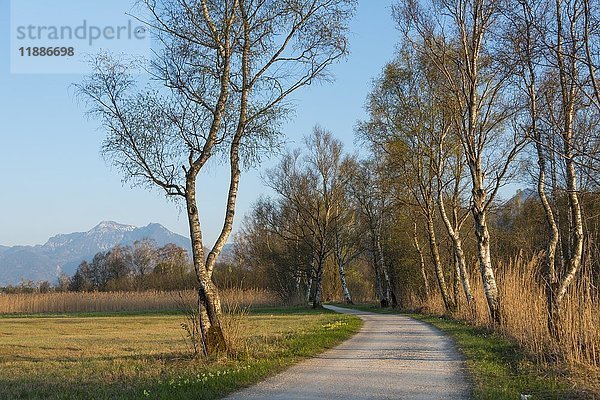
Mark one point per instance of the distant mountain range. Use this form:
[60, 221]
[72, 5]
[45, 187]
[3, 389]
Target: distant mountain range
[64, 252]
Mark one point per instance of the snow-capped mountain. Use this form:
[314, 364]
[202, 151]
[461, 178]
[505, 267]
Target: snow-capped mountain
[63, 253]
[103, 237]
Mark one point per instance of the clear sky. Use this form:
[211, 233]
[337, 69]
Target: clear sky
[53, 179]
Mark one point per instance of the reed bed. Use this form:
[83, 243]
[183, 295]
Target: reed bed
[82, 302]
[524, 315]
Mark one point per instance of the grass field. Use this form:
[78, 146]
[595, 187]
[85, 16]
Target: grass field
[144, 355]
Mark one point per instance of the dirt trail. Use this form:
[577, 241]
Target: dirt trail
[392, 357]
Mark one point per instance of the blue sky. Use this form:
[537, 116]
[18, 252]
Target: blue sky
[54, 180]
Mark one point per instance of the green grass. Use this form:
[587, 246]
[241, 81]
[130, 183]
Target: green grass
[144, 355]
[498, 368]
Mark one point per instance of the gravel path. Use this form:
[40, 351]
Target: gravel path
[392, 357]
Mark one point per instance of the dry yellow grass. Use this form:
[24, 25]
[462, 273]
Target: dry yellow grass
[132, 356]
[36, 303]
[524, 314]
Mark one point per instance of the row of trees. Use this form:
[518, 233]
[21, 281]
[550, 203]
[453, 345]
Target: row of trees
[141, 266]
[475, 83]
[323, 198]
[480, 93]
[493, 78]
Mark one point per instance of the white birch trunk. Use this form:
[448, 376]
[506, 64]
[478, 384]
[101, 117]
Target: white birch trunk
[485, 260]
[318, 283]
[341, 261]
[421, 261]
[439, 270]
[459, 254]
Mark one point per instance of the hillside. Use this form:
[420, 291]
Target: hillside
[62, 253]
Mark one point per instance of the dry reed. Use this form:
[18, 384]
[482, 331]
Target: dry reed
[68, 302]
[524, 315]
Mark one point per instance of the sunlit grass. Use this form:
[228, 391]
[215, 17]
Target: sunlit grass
[146, 356]
[499, 369]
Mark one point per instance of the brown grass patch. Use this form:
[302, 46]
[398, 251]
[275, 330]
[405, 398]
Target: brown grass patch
[523, 307]
[37, 303]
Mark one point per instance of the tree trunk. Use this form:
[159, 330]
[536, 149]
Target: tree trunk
[464, 274]
[435, 257]
[551, 282]
[576, 254]
[341, 261]
[483, 253]
[389, 292]
[551, 277]
[384, 279]
[459, 255]
[209, 302]
[309, 285]
[319, 282]
[378, 283]
[455, 280]
[345, 290]
[568, 74]
[421, 261]
[298, 279]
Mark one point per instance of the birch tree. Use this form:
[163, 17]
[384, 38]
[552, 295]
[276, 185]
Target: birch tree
[450, 190]
[553, 52]
[218, 88]
[372, 200]
[406, 123]
[346, 231]
[417, 246]
[312, 185]
[457, 37]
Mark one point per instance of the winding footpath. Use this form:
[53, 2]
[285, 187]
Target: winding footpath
[392, 357]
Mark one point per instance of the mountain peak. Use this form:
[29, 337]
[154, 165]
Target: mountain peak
[112, 226]
[67, 250]
[154, 225]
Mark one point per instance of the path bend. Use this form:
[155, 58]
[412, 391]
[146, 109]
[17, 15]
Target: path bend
[391, 357]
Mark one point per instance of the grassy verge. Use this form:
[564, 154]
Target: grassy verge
[143, 355]
[498, 368]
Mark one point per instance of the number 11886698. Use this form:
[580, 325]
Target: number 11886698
[47, 51]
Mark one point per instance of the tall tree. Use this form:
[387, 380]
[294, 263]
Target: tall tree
[311, 185]
[346, 231]
[415, 239]
[272, 241]
[451, 203]
[553, 53]
[224, 72]
[457, 37]
[406, 123]
[372, 200]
